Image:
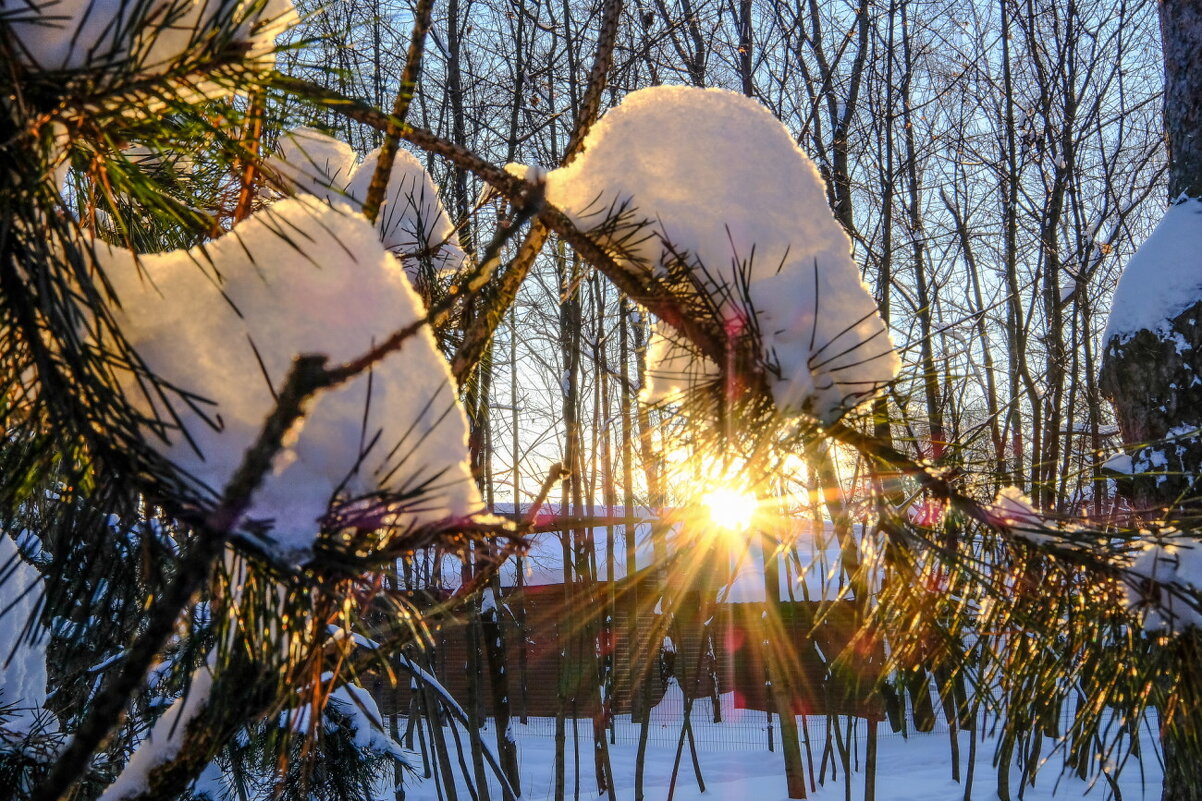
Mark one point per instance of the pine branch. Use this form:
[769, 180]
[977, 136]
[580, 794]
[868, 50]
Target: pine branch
[108, 707]
[309, 375]
[251, 144]
[641, 285]
[476, 339]
[597, 80]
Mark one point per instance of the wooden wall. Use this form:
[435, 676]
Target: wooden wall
[803, 637]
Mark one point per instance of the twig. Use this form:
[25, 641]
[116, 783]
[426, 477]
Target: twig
[400, 109]
[607, 37]
[252, 144]
[476, 338]
[556, 474]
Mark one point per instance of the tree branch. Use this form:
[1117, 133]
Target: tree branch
[400, 109]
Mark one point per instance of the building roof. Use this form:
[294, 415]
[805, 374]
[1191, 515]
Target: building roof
[730, 564]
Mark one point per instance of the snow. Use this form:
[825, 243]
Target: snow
[145, 37]
[365, 721]
[164, 741]
[211, 784]
[812, 571]
[1165, 582]
[1162, 578]
[748, 214]
[1163, 278]
[672, 367]
[300, 276]
[810, 568]
[913, 768]
[1119, 463]
[22, 663]
[359, 713]
[1014, 510]
[338, 633]
[411, 222]
[450, 704]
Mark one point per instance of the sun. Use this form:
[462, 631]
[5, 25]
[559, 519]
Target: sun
[730, 508]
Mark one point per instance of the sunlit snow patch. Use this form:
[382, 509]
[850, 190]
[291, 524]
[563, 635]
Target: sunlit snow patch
[712, 178]
[298, 277]
[411, 222]
[1163, 278]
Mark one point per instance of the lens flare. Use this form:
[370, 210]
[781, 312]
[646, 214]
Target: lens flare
[730, 508]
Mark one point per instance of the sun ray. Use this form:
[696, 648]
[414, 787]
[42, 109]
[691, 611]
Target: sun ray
[731, 508]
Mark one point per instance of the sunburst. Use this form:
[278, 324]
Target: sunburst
[730, 508]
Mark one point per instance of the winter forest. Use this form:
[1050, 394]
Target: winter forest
[483, 400]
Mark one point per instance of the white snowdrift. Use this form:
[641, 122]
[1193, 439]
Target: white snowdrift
[142, 37]
[300, 276]
[1163, 278]
[712, 178]
[411, 222]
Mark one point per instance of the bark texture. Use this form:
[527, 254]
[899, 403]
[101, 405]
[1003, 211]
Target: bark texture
[1181, 31]
[1155, 383]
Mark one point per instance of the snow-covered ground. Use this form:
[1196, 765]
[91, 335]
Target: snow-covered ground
[737, 766]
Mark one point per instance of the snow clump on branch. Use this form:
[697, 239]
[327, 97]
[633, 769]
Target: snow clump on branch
[710, 179]
[1164, 582]
[1162, 577]
[411, 221]
[146, 37]
[1013, 510]
[222, 322]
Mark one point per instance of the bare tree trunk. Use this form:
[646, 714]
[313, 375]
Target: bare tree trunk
[491, 630]
[1181, 34]
[778, 637]
[870, 761]
[1152, 380]
[926, 297]
[519, 596]
[629, 392]
[651, 470]
[1015, 330]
